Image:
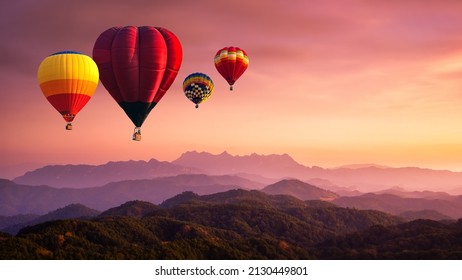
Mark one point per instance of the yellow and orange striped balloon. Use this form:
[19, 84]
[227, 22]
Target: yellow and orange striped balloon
[68, 80]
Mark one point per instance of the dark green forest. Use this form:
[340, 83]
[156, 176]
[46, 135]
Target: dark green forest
[237, 224]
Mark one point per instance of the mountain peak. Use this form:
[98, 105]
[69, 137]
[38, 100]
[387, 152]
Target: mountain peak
[136, 208]
[300, 190]
[235, 197]
[363, 165]
[271, 166]
[184, 197]
[73, 210]
[84, 176]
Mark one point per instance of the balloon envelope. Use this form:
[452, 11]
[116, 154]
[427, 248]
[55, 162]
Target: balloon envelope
[198, 87]
[137, 66]
[231, 63]
[68, 80]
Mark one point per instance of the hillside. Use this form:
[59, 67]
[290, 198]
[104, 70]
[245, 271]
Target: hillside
[364, 178]
[416, 240]
[8, 221]
[237, 224]
[269, 166]
[417, 194]
[264, 169]
[72, 211]
[135, 208]
[424, 215]
[86, 176]
[300, 190]
[395, 205]
[22, 199]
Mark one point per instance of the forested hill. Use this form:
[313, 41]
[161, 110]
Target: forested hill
[418, 239]
[237, 224]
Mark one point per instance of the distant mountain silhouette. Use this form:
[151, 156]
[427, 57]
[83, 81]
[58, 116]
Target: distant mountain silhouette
[22, 199]
[264, 169]
[415, 240]
[361, 165]
[424, 215]
[236, 196]
[417, 194]
[18, 199]
[8, 221]
[85, 176]
[364, 178]
[300, 190]
[393, 204]
[256, 178]
[10, 171]
[235, 224]
[269, 166]
[328, 185]
[315, 214]
[202, 180]
[371, 179]
[71, 211]
[135, 208]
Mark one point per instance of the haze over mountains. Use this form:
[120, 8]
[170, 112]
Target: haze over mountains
[203, 205]
[24, 199]
[108, 185]
[265, 169]
[232, 224]
[235, 224]
[85, 176]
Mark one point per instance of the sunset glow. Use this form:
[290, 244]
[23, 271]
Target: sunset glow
[329, 82]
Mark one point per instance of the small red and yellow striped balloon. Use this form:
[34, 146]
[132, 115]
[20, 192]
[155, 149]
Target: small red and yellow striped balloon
[68, 80]
[231, 63]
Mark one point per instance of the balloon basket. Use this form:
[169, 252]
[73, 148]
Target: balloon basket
[197, 106]
[137, 134]
[231, 88]
[68, 126]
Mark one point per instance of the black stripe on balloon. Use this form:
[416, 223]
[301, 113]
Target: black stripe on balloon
[137, 111]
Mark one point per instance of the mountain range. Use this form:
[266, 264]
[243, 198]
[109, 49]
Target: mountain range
[397, 205]
[22, 200]
[223, 206]
[25, 199]
[86, 176]
[60, 185]
[300, 190]
[13, 224]
[264, 169]
[236, 224]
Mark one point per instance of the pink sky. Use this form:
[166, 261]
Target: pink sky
[330, 82]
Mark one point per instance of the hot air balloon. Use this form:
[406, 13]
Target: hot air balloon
[68, 80]
[197, 87]
[137, 66]
[231, 63]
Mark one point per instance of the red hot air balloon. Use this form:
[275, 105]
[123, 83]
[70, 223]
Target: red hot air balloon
[231, 63]
[137, 66]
